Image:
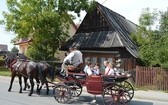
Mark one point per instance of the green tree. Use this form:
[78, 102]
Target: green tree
[152, 38]
[15, 49]
[45, 21]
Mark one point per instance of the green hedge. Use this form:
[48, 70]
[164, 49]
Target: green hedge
[2, 63]
[4, 71]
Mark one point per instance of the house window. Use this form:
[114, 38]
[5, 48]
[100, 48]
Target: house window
[87, 59]
[102, 64]
[109, 59]
[94, 60]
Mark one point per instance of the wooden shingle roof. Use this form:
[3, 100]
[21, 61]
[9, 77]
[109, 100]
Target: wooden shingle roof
[115, 32]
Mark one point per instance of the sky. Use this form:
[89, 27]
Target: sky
[130, 9]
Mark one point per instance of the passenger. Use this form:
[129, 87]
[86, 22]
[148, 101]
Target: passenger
[106, 63]
[107, 68]
[86, 66]
[96, 70]
[89, 70]
[111, 70]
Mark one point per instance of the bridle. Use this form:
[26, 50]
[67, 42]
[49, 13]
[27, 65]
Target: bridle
[10, 63]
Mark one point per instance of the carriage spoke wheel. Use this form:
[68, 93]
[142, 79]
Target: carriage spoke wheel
[62, 93]
[128, 89]
[76, 88]
[109, 98]
[115, 94]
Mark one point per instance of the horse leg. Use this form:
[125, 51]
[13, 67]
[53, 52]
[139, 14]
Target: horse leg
[38, 82]
[47, 88]
[41, 86]
[20, 83]
[11, 82]
[44, 80]
[32, 86]
[25, 83]
[46, 83]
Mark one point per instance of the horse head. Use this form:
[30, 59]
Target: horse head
[11, 58]
[7, 61]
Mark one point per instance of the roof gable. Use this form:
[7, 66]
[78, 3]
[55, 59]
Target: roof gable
[94, 21]
[104, 28]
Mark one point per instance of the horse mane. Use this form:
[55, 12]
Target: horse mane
[12, 56]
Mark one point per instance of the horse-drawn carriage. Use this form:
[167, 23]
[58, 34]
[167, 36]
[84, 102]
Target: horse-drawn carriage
[114, 89]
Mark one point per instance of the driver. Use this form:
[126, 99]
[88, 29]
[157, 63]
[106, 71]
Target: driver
[73, 59]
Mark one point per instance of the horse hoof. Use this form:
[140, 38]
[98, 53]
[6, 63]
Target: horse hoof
[20, 91]
[28, 86]
[38, 92]
[24, 89]
[9, 90]
[29, 94]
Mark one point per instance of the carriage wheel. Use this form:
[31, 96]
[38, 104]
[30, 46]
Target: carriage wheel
[128, 88]
[76, 88]
[108, 96]
[115, 94]
[62, 93]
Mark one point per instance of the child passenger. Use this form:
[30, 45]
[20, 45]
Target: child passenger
[111, 70]
[89, 69]
[96, 70]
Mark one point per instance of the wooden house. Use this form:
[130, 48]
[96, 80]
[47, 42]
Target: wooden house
[23, 44]
[3, 47]
[105, 35]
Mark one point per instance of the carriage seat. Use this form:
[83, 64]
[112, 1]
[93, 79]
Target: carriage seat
[108, 78]
[80, 76]
[72, 68]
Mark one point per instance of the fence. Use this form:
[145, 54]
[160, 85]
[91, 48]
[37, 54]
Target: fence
[154, 78]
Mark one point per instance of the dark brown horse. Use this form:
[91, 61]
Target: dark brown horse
[45, 69]
[11, 57]
[28, 69]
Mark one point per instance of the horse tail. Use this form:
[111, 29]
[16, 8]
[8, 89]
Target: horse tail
[40, 74]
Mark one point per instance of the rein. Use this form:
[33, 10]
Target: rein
[12, 62]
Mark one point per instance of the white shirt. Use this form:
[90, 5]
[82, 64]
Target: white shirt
[69, 57]
[74, 57]
[89, 71]
[95, 72]
[85, 68]
[79, 55]
[112, 71]
[107, 69]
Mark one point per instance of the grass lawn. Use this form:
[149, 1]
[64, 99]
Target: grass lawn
[4, 71]
[1, 57]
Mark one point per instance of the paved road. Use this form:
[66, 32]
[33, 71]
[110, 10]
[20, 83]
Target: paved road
[15, 98]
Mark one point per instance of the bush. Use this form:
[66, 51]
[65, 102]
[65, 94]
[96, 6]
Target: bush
[2, 63]
[4, 71]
